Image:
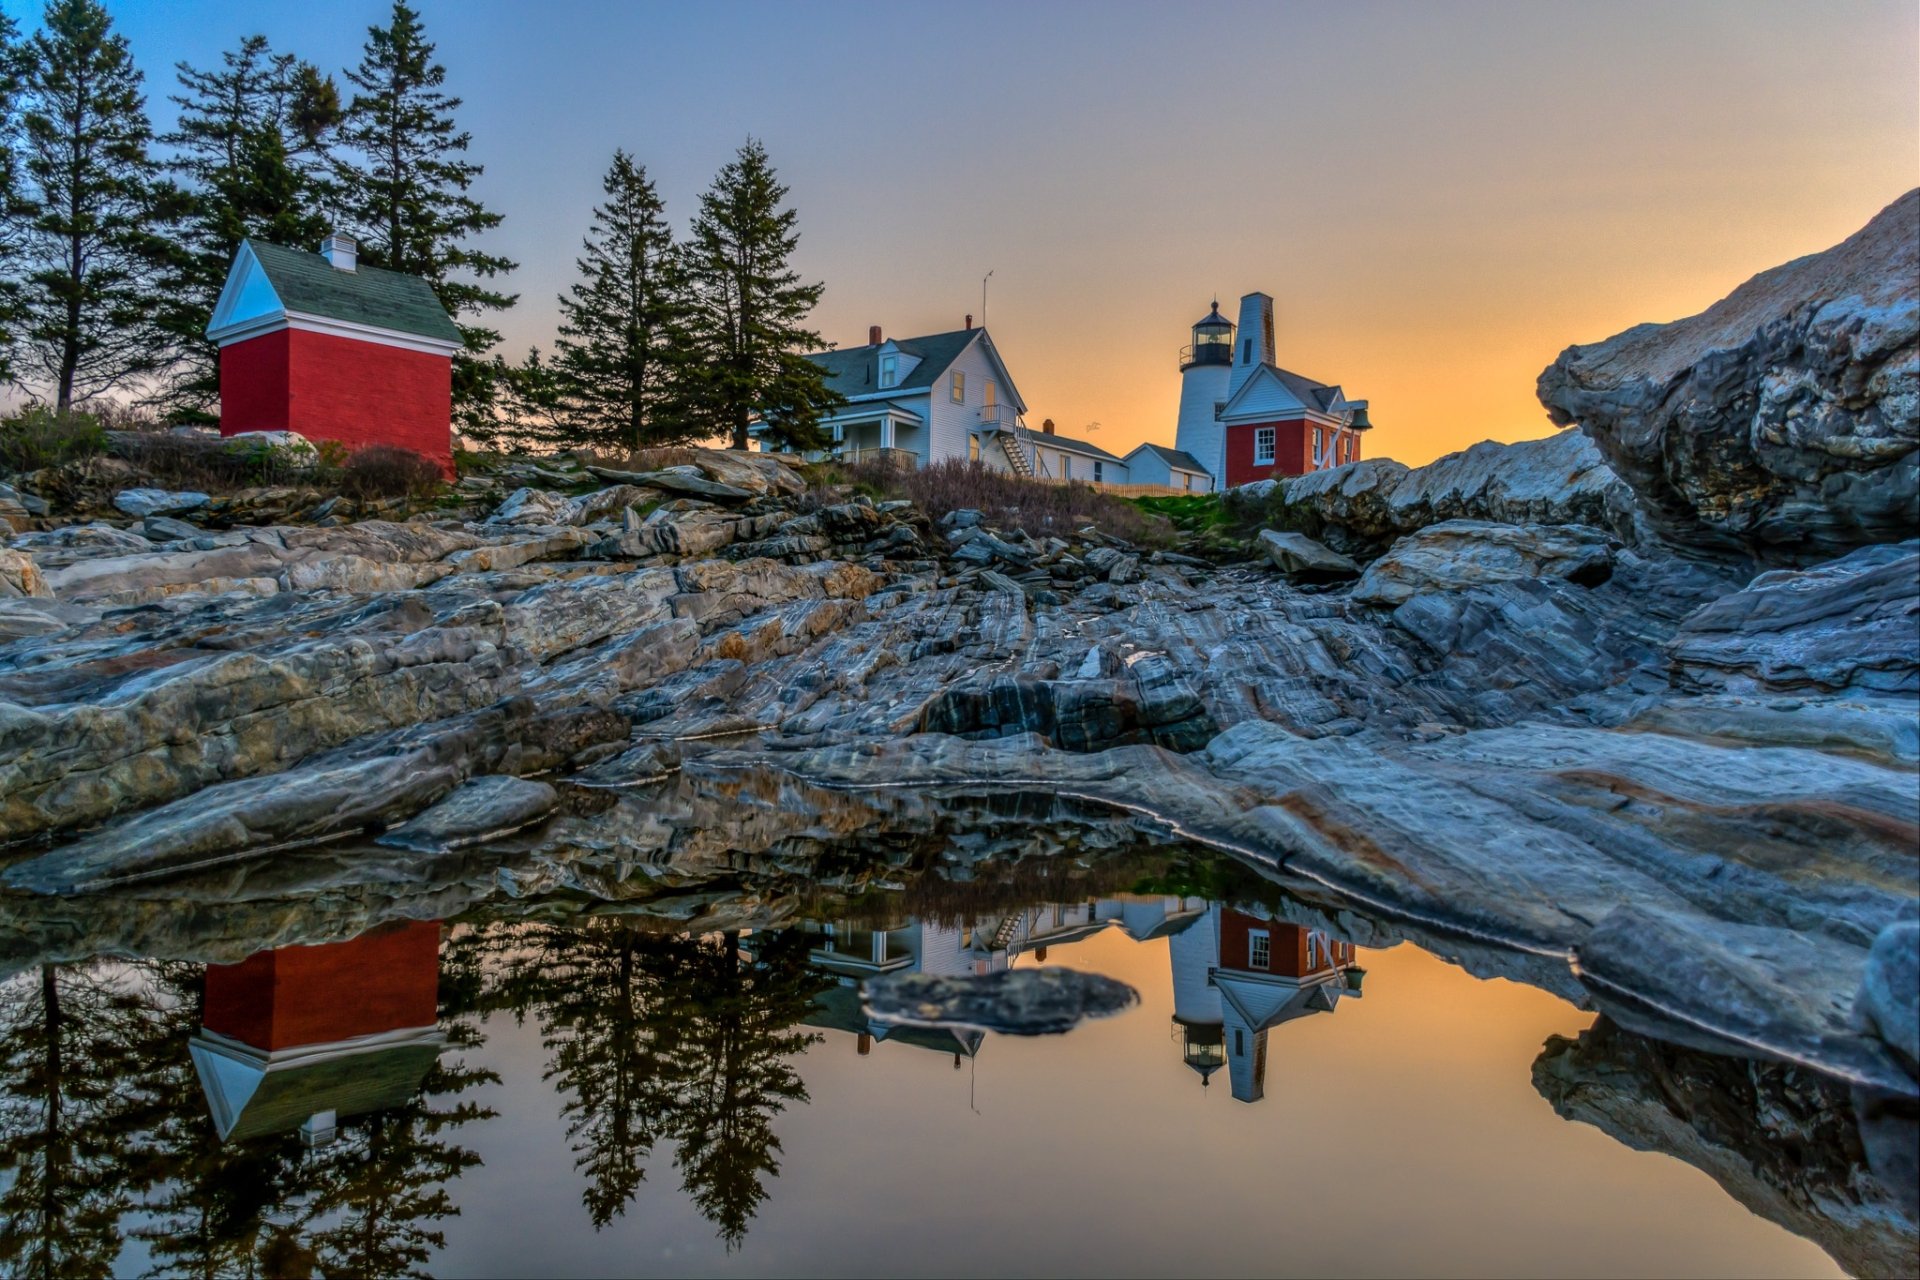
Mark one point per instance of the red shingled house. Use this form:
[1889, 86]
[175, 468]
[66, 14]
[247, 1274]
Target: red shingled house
[318, 344]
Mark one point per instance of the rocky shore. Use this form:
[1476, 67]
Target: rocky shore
[1629, 712]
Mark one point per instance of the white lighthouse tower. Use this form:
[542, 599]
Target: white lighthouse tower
[1205, 368]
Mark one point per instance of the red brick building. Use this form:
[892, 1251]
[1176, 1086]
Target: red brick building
[1245, 418]
[318, 344]
[303, 1036]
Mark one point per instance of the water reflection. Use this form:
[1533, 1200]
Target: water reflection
[321, 1109]
[682, 1043]
[1238, 975]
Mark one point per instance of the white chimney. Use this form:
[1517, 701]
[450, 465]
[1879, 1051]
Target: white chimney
[1253, 339]
[341, 251]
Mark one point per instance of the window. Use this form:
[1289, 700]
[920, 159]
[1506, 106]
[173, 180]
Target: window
[1316, 446]
[1097, 476]
[1259, 949]
[959, 387]
[1066, 467]
[989, 394]
[973, 447]
[1246, 352]
[1264, 439]
[1239, 1043]
[1186, 481]
[1219, 407]
[889, 370]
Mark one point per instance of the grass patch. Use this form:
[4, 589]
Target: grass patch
[40, 438]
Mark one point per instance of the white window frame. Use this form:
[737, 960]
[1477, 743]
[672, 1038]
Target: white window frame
[1219, 409]
[1259, 941]
[958, 387]
[1266, 445]
[1066, 467]
[1096, 470]
[889, 370]
[1319, 443]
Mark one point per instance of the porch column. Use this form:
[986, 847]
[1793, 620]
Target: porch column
[886, 432]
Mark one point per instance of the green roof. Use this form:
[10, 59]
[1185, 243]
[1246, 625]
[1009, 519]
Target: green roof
[374, 296]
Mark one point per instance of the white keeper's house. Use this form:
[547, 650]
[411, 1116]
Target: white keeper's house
[915, 401]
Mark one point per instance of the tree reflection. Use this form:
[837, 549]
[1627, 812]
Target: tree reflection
[735, 1060]
[105, 1126]
[74, 1164]
[217, 1209]
[657, 1040]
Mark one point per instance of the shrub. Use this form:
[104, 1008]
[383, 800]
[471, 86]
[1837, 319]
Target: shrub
[386, 471]
[207, 462]
[40, 438]
[1039, 507]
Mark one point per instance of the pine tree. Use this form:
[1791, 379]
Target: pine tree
[752, 310]
[251, 145]
[734, 1056]
[406, 192]
[71, 1165]
[624, 322]
[96, 243]
[15, 210]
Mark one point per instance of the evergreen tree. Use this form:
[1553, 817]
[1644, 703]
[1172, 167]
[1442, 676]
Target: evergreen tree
[530, 403]
[217, 1208]
[96, 242]
[14, 207]
[623, 324]
[251, 144]
[407, 194]
[734, 1058]
[613, 1049]
[752, 310]
[70, 1161]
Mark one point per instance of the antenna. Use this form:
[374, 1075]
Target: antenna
[983, 297]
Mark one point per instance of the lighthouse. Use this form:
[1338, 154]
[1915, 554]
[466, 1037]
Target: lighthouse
[1206, 367]
[1244, 418]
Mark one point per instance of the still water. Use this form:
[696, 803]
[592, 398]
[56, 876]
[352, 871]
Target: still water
[595, 1094]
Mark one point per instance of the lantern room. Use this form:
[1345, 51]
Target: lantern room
[1212, 341]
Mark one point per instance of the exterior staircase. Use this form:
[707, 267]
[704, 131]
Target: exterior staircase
[1009, 928]
[1016, 455]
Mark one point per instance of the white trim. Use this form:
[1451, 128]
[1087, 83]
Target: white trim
[1265, 965]
[307, 323]
[1272, 442]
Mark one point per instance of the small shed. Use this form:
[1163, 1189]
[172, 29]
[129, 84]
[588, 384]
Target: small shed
[318, 344]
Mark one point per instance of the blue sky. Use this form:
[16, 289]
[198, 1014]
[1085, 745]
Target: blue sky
[1440, 196]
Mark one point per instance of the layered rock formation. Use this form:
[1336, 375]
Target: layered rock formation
[1781, 422]
[1532, 735]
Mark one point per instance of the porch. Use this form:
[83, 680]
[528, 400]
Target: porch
[888, 434]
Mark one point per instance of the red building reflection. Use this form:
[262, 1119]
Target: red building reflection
[300, 1037]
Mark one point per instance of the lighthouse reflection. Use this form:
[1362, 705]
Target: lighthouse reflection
[1238, 973]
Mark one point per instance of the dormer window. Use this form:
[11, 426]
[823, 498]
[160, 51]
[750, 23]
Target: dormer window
[889, 370]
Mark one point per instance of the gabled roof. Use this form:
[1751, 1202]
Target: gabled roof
[855, 371]
[1177, 458]
[306, 284]
[1070, 445]
[251, 1093]
[1317, 397]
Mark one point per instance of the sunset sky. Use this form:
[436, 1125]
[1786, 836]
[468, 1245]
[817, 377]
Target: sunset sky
[1439, 196]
